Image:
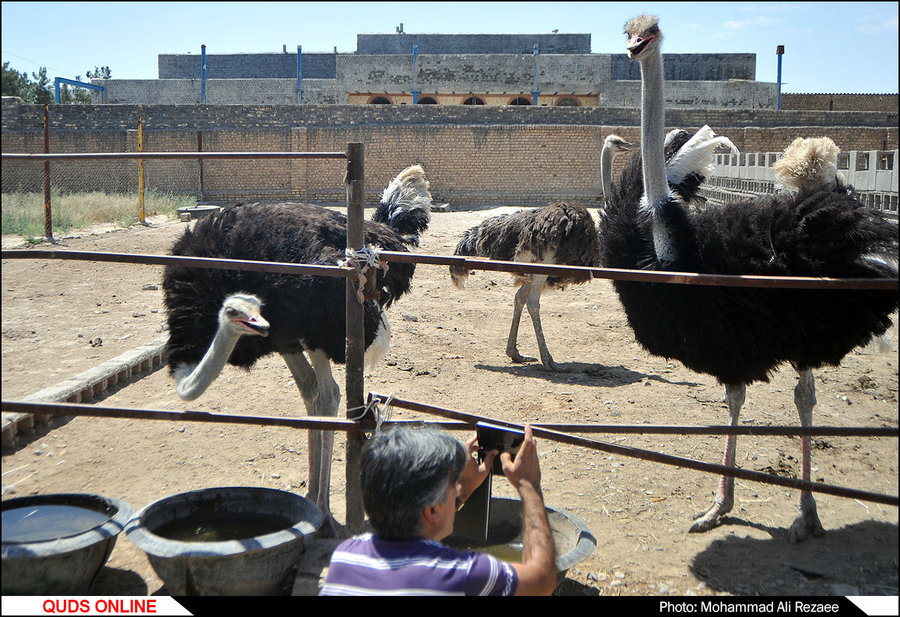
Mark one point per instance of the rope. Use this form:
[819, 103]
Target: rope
[364, 260]
[364, 256]
[381, 415]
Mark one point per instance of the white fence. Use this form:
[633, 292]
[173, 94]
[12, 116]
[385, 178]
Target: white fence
[872, 173]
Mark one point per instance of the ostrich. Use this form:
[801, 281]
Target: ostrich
[218, 316]
[741, 335]
[565, 234]
[613, 146]
[560, 233]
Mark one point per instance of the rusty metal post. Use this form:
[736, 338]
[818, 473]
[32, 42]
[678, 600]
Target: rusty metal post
[142, 214]
[355, 396]
[48, 217]
[200, 164]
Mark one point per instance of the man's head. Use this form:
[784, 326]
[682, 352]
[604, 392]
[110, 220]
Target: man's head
[404, 471]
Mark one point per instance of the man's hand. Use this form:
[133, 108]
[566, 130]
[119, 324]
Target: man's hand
[525, 468]
[474, 473]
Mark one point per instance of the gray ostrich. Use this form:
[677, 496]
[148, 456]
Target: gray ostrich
[613, 146]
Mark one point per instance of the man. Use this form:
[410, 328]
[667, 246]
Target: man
[413, 481]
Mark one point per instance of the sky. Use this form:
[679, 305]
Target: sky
[830, 47]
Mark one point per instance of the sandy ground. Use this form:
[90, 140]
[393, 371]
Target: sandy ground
[61, 318]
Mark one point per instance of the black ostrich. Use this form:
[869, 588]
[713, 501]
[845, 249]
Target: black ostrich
[562, 233]
[741, 335]
[218, 316]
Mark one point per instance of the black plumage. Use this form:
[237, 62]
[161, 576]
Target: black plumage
[743, 334]
[299, 308]
[740, 335]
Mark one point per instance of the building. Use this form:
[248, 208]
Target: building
[445, 69]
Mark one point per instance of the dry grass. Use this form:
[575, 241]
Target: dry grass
[23, 213]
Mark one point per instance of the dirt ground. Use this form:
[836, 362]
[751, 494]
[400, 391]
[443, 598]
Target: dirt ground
[63, 317]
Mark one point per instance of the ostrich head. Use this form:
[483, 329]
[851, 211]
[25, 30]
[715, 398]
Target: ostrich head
[617, 145]
[643, 33]
[241, 314]
[406, 204]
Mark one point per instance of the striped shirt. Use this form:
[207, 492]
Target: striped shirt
[368, 565]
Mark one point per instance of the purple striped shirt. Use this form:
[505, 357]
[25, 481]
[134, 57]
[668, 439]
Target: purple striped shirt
[368, 565]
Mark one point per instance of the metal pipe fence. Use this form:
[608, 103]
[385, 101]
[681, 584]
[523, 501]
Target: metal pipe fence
[355, 385]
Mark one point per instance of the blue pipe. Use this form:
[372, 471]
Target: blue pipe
[780, 52]
[203, 73]
[415, 90]
[534, 88]
[81, 84]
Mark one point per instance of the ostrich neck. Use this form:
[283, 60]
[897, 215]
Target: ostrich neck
[653, 157]
[656, 188]
[606, 162]
[196, 381]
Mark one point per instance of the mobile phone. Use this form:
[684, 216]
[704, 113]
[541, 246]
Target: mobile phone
[500, 438]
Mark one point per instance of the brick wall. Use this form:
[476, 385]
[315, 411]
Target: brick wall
[473, 155]
[841, 102]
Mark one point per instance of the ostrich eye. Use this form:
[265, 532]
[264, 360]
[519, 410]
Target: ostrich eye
[231, 312]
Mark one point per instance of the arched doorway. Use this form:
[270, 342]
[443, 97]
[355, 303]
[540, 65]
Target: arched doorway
[427, 100]
[520, 100]
[379, 100]
[567, 101]
[473, 100]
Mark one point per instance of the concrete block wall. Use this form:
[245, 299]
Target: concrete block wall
[691, 67]
[402, 43]
[443, 78]
[247, 66]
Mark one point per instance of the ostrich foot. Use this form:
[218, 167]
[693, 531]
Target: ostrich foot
[518, 358]
[806, 523]
[709, 519]
[332, 529]
[551, 365]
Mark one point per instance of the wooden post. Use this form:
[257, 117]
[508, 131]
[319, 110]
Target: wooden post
[355, 337]
[48, 217]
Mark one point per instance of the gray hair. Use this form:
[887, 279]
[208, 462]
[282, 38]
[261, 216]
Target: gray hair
[405, 470]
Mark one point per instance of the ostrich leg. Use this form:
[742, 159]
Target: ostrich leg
[734, 396]
[533, 302]
[512, 349]
[322, 397]
[808, 520]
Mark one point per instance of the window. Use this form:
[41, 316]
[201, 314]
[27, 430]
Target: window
[885, 160]
[427, 100]
[520, 100]
[567, 102]
[862, 161]
[843, 161]
[473, 100]
[379, 100]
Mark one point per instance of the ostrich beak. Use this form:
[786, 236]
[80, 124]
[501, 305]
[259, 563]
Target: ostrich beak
[636, 45]
[254, 325]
